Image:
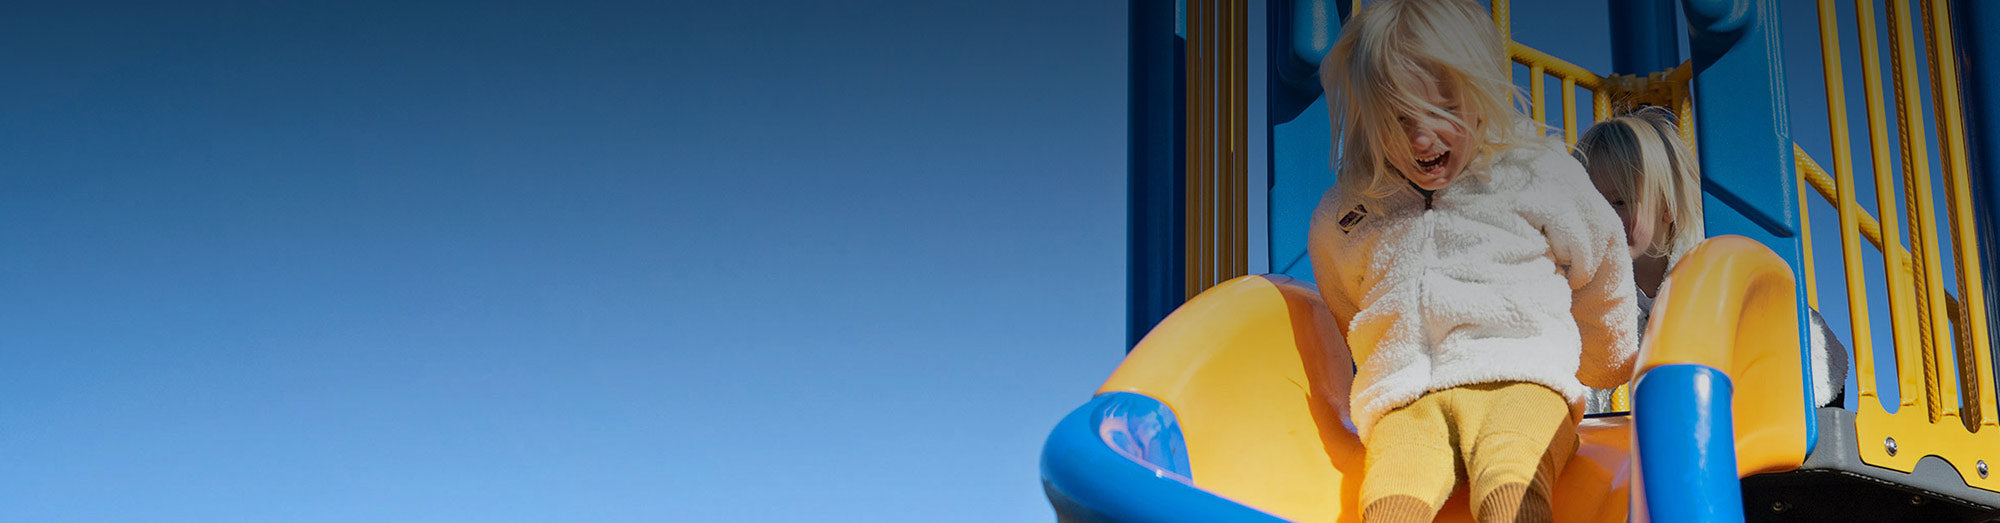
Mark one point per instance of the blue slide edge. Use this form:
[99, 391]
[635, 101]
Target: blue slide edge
[1120, 457]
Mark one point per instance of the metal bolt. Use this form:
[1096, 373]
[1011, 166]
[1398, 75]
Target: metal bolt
[1916, 500]
[1890, 443]
[1982, 468]
[1779, 506]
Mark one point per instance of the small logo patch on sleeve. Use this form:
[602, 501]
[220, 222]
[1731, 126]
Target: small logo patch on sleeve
[1353, 218]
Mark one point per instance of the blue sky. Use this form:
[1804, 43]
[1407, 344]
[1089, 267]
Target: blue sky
[539, 261]
[516, 261]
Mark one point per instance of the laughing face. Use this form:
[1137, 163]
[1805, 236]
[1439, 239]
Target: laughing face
[1438, 148]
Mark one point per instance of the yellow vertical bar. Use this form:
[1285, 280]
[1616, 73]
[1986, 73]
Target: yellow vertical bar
[1191, 140]
[1243, 144]
[1902, 310]
[1965, 240]
[1600, 105]
[1503, 19]
[1198, 16]
[1684, 115]
[1541, 108]
[1198, 164]
[1569, 111]
[1850, 210]
[1805, 244]
[1233, 214]
[1225, 77]
[1206, 262]
[1923, 212]
[1226, 204]
[1914, 170]
[1210, 141]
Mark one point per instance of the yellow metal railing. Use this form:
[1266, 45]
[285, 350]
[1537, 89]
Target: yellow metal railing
[1542, 65]
[1944, 374]
[1217, 148]
[1943, 365]
[1934, 332]
[1610, 95]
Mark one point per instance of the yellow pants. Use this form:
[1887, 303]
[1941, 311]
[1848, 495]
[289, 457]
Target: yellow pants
[1509, 440]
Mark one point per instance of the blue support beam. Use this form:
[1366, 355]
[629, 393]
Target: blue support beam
[1743, 124]
[1154, 279]
[1642, 36]
[1977, 30]
[1741, 116]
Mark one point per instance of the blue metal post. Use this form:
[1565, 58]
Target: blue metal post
[1686, 452]
[1742, 121]
[1154, 279]
[1977, 31]
[1642, 36]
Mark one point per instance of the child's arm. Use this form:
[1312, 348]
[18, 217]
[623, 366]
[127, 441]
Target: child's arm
[1324, 241]
[1586, 236]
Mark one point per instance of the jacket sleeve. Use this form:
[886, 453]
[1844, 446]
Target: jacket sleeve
[1587, 238]
[1323, 246]
[1829, 362]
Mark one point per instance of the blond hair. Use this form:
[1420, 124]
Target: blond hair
[1369, 78]
[1640, 158]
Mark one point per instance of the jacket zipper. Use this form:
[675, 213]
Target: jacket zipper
[1427, 194]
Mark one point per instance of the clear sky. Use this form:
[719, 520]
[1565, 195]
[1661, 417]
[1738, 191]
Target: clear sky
[553, 261]
[562, 261]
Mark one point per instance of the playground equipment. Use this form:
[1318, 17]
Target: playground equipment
[1232, 402]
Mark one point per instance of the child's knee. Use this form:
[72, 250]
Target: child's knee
[1529, 446]
[1501, 462]
[1409, 454]
[1503, 459]
[1415, 469]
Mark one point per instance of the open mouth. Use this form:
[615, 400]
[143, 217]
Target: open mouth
[1434, 162]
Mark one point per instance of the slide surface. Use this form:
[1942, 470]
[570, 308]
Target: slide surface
[1233, 408]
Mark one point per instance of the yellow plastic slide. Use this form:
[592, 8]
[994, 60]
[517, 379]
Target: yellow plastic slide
[1257, 375]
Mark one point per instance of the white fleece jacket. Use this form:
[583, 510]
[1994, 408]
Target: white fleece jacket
[1518, 272]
